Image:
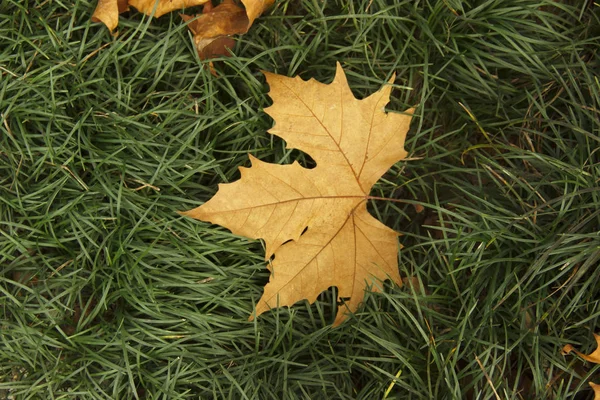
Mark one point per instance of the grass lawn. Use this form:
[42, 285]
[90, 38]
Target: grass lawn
[106, 292]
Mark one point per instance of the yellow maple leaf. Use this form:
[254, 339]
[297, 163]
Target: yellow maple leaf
[593, 357]
[315, 221]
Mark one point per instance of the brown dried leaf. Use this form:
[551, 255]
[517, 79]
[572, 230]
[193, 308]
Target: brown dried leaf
[107, 11]
[212, 29]
[315, 221]
[593, 357]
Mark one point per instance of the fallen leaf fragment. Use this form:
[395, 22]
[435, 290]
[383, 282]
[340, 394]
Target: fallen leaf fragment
[315, 221]
[213, 28]
[596, 389]
[163, 6]
[593, 357]
[107, 11]
[254, 8]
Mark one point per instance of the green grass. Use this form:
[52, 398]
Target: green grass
[105, 292]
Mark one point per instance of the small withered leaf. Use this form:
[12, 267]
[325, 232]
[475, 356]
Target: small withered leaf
[214, 27]
[593, 357]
